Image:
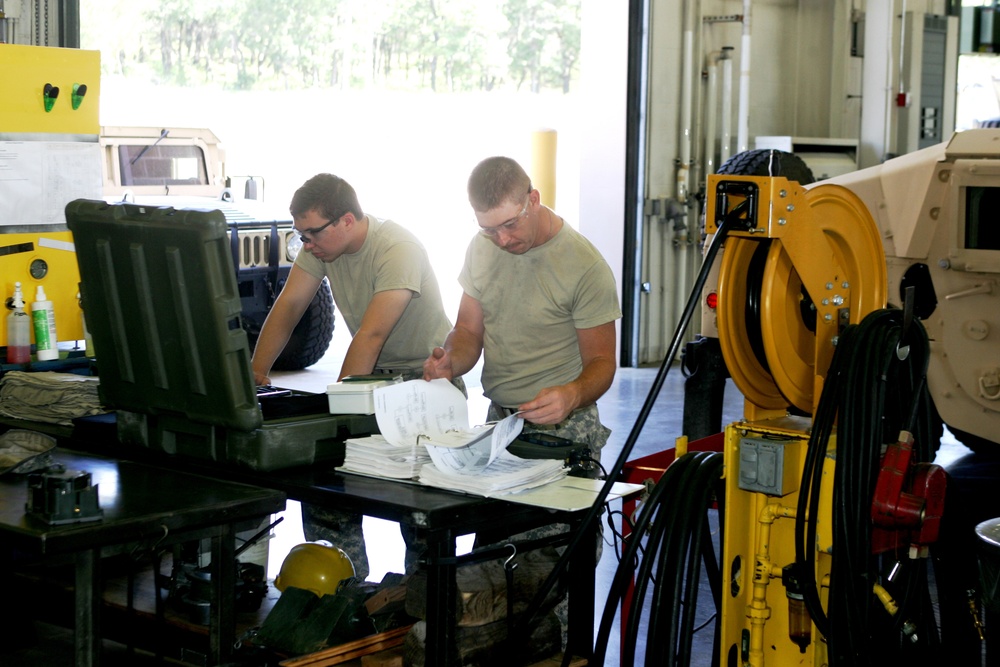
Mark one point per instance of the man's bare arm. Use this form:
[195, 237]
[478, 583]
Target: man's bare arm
[463, 345]
[295, 297]
[597, 349]
[380, 318]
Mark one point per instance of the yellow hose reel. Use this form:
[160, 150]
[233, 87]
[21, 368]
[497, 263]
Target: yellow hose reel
[797, 266]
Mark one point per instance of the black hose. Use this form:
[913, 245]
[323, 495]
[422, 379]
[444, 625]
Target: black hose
[673, 524]
[589, 523]
[871, 393]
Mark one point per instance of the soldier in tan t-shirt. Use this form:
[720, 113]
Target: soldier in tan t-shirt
[385, 289]
[539, 303]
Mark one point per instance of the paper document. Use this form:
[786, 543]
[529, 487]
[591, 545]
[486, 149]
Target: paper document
[374, 455]
[435, 414]
[573, 493]
[426, 436]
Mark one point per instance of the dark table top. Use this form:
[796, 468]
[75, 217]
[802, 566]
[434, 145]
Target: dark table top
[422, 507]
[139, 502]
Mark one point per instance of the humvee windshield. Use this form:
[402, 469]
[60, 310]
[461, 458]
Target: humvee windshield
[162, 165]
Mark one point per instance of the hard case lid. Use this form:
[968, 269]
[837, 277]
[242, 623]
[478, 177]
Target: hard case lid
[161, 302]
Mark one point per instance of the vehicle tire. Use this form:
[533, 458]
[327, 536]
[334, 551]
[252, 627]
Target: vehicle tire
[311, 336]
[758, 162]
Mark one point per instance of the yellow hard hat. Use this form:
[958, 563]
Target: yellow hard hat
[314, 566]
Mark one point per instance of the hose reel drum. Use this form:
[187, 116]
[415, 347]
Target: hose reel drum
[800, 264]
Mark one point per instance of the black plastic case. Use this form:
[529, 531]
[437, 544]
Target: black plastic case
[160, 296]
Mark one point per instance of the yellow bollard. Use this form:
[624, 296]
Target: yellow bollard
[543, 165]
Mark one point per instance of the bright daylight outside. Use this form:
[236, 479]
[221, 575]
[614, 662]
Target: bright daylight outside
[399, 97]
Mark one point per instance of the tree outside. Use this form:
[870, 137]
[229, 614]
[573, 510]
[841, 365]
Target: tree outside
[399, 45]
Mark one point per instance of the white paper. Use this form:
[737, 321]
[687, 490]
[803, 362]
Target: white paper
[38, 179]
[425, 435]
[572, 493]
[435, 414]
[408, 410]
[376, 456]
[507, 474]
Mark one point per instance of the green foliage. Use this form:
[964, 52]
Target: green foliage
[436, 45]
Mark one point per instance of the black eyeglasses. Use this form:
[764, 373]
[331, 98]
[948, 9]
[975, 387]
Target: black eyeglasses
[309, 235]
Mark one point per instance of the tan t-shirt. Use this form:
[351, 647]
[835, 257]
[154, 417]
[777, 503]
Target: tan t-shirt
[532, 306]
[390, 258]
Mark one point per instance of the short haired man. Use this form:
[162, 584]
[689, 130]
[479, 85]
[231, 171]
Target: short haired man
[385, 289]
[540, 303]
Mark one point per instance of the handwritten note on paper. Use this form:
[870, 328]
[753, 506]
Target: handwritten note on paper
[407, 410]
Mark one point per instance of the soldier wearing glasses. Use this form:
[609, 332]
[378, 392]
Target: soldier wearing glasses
[387, 295]
[540, 304]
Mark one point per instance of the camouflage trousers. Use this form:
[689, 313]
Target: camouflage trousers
[344, 530]
[582, 426]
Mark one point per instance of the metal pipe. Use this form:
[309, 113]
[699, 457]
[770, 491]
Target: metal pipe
[743, 119]
[726, 148]
[687, 100]
[543, 164]
[757, 611]
[711, 111]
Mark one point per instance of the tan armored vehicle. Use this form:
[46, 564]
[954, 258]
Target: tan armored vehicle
[940, 230]
[185, 168]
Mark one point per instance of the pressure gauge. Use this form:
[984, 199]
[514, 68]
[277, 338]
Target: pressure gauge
[39, 268]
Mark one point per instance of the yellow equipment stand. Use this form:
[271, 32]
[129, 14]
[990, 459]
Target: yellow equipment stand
[800, 266]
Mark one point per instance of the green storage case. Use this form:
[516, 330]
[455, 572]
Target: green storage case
[159, 292]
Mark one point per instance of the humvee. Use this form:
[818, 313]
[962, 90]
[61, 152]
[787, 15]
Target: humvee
[935, 212]
[185, 168]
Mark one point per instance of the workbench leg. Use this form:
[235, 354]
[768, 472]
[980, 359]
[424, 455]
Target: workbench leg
[582, 585]
[87, 627]
[222, 621]
[440, 646]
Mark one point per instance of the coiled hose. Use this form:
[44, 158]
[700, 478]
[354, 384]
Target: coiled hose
[872, 391]
[675, 523]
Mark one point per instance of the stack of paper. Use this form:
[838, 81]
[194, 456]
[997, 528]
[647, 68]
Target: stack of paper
[376, 456]
[425, 435]
[506, 474]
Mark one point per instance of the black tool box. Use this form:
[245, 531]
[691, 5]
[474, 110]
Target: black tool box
[162, 305]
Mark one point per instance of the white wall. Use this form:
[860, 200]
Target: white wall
[604, 46]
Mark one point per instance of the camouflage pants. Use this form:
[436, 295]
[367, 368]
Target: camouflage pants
[344, 530]
[583, 426]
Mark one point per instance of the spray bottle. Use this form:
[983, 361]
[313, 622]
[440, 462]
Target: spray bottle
[43, 316]
[18, 331]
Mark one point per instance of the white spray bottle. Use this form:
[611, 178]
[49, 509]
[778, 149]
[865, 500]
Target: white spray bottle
[43, 316]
